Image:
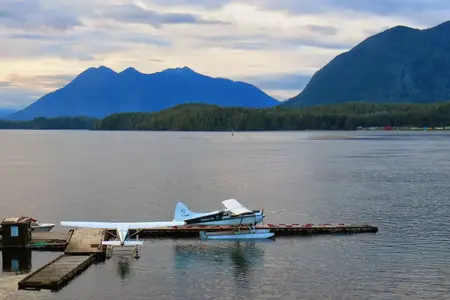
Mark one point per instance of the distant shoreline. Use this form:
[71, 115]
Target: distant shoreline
[211, 118]
[227, 131]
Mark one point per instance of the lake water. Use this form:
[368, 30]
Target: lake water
[396, 181]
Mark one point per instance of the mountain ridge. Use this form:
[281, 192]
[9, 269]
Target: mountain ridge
[6, 111]
[101, 91]
[398, 65]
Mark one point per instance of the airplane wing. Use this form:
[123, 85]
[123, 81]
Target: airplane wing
[235, 207]
[115, 225]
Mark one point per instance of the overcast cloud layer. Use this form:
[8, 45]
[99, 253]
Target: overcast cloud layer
[276, 45]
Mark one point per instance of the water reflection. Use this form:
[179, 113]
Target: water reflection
[239, 252]
[123, 267]
[241, 259]
[16, 261]
[238, 259]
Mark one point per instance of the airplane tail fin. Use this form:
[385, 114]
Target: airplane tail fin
[182, 212]
[126, 243]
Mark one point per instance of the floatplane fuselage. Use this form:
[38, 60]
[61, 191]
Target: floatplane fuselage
[225, 217]
[234, 215]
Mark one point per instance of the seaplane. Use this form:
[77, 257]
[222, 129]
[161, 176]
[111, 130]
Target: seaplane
[235, 215]
[122, 234]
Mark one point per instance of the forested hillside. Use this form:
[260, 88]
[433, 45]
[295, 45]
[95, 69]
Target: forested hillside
[346, 116]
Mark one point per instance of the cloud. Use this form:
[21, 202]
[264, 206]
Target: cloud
[20, 90]
[131, 13]
[427, 12]
[279, 86]
[40, 82]
[326, 30]
[289, 81]
[378, 7]
[12, 97]
[283, 95]
[147, 40]
[30, 36]
[263, 42]
[276, 45]
[389, 7]
[31, 14]
[4, 84]
[208, 4]
[84, 46]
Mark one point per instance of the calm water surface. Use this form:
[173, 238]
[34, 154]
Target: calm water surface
[396, 181]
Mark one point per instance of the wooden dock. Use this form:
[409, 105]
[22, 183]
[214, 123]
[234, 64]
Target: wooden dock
[57, 273]
[278, 230]
[47, 241]
[86, 241]
[83, 249]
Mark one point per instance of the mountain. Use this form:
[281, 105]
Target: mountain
[6, 111]
[399, 65]
[98, 92]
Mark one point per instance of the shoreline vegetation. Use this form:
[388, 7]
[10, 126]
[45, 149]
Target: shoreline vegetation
[63, 123]
[203, 117]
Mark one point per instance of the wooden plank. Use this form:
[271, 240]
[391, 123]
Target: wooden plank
[49, 236]
[57, 270]
[86, 240]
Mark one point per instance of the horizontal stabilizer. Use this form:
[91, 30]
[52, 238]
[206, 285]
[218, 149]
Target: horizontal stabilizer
[111, 243]
[126, 243]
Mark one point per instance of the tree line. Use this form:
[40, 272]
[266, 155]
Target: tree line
[50, 123]
[203, 117]
[348, 116]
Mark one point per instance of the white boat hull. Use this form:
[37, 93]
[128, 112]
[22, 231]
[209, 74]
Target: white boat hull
[242, 235]
[42, 227]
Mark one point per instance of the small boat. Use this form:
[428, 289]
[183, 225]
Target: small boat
[36, 226]
[237, 235]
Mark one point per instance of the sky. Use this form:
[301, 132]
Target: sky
[277, 45]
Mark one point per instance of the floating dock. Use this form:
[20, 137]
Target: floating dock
[278, 230]
[86, 241]
[83, 249]
[57, 273]
[45, 241]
